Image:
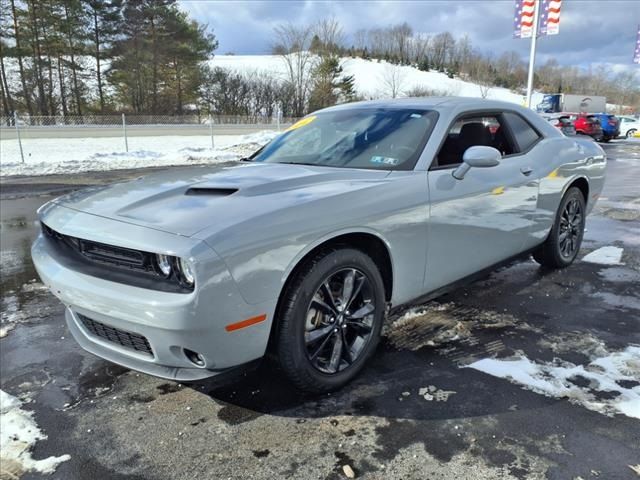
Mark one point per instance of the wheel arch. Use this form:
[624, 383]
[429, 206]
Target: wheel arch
[582, 184]
[365, 240]
[368, 241]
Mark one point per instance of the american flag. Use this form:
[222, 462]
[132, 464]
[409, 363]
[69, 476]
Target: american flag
[549, 18]
[523, 21]
[636, 55]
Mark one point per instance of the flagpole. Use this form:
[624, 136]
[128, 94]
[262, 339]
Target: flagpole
[532, 53]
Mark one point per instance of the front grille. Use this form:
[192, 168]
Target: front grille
[132, 341]
[113, 263]
[102, 253]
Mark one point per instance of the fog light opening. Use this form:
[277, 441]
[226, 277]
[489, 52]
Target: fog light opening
[195, 358]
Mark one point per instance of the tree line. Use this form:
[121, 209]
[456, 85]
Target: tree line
[458, 57]
[75, 57]
[82, 57]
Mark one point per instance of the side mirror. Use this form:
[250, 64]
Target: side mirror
[478, 157]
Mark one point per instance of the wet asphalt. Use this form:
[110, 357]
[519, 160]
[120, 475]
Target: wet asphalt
[118, 424]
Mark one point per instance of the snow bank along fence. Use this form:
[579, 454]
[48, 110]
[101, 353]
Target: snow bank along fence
[22, 127]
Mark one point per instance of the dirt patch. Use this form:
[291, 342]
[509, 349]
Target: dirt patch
[438, 324]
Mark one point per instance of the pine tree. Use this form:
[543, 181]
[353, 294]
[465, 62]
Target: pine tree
[19, 52]
[156, 62]
[8, 106]
[105, 23]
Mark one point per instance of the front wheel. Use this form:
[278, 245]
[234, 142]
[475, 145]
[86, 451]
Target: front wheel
[330, 319]
[563, 243]
[631, 133]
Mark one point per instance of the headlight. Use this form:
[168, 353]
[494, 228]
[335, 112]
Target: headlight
[164, 264]
[186, 271]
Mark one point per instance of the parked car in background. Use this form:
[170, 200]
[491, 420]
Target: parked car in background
[303, 248]
[610, 126]
[629, 126]
[587, 124]
[562, 122]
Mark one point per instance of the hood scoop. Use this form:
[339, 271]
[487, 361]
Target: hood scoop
[211, 191]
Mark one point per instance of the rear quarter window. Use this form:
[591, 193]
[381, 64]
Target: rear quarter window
[524, 133]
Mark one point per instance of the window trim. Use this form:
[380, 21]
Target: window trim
[491, 112]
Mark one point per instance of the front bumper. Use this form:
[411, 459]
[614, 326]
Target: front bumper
[172, 323]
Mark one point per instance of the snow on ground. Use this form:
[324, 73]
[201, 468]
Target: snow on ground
[369, 76]
[608, 255]
[608, 384]
[44, 156]
[18, 434]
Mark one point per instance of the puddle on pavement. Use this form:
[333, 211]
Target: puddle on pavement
[23, 297]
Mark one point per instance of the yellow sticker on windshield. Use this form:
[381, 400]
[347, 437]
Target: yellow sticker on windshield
[301, 123]
[497, 191]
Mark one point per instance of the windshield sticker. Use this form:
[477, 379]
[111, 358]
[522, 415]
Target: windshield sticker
[384, 160]
[301, 123]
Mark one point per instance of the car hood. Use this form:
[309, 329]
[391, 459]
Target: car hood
[189, 200]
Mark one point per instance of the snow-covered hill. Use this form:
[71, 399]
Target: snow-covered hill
[370, 76]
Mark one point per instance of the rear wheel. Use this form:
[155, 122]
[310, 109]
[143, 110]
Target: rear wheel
[330, 320]
[563, 243]
[631, 133]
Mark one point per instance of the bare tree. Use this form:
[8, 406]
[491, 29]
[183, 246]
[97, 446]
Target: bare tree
[330, 34]
[401, 35]
[418, 47]
[442, 47]
[392, 79]
[360, 39]
[484, 77]
[293, 44]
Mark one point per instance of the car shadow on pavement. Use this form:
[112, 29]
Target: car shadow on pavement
[398, 384]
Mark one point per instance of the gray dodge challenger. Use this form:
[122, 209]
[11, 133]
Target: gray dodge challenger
[302, 249]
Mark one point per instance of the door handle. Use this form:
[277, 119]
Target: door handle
[526, 170]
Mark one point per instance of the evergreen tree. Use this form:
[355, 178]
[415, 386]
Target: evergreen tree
[105, 23]
[156, 63]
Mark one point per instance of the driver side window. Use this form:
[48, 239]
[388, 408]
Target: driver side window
[470, 131]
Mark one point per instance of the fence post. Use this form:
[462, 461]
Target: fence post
[15, 122]
[278, 118]
[211, 131]
[124, 131]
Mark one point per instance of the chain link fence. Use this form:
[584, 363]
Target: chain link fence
[28, 121]
[22, 128]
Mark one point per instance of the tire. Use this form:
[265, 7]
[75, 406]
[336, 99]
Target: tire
[554, 252]
[310, 317]
[630, 133]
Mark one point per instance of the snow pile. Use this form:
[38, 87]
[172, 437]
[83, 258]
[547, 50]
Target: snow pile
[605, 256]
[370, 77]
[18, 434]
[609, 384]
[46, 156]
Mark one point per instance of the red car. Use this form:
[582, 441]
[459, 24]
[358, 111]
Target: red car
[587, 124]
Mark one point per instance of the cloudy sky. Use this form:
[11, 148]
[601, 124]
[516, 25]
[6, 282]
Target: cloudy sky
[591, 31]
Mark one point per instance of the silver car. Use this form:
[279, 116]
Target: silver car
[302, 249]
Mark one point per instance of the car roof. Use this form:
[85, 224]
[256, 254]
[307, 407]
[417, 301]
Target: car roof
[436, 103]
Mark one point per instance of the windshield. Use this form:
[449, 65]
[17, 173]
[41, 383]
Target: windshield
[384, 139]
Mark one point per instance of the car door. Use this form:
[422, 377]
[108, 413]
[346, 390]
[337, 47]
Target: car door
[487, 216]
